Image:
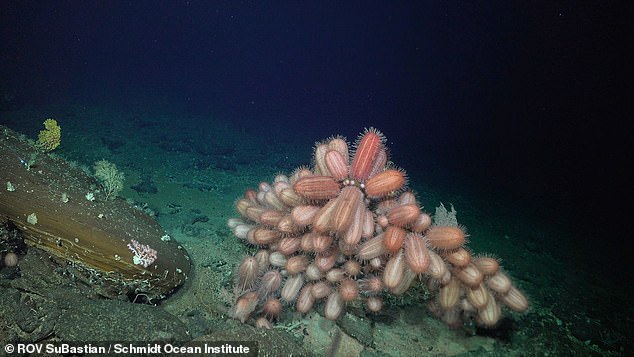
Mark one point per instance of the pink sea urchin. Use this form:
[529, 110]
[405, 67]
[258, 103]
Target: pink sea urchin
[348, 230]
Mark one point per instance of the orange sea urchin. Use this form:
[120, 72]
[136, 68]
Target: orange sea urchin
[347, 230]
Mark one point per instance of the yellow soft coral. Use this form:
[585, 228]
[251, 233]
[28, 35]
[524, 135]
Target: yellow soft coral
[49, 138]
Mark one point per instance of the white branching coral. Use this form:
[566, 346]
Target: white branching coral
[109, 177]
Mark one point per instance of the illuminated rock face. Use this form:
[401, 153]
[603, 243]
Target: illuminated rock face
[120, 248]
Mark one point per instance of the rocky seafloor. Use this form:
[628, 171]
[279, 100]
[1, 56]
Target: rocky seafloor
[191, 188]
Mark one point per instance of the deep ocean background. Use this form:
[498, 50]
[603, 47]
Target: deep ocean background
[525, 101]
[529, 98]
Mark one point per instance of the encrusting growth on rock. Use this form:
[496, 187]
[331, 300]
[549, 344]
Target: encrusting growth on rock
[348, 230]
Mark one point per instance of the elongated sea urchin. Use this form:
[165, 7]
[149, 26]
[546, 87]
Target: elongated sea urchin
[348, 230]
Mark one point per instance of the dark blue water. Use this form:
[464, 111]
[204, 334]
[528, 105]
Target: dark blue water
[524, 96]
[521, 103]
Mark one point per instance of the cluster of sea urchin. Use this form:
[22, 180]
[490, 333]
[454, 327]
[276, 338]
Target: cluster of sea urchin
[345, 231]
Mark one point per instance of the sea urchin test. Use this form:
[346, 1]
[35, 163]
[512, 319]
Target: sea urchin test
[348, 231]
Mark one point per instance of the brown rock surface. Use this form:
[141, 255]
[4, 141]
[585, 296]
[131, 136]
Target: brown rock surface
[93, 235]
